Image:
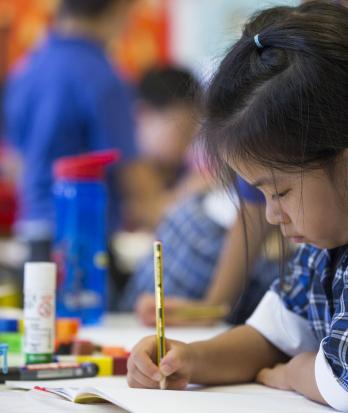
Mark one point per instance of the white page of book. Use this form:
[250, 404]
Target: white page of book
[99, 382]
[241, 399]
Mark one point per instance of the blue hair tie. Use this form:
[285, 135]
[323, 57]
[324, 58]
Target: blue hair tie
[257, 41]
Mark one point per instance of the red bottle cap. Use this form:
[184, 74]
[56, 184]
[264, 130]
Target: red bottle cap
[85, 167]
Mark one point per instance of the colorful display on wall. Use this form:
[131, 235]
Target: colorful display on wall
[24, 22]
[145, 42]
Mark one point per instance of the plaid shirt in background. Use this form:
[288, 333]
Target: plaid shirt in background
[317, 290]
[191, 247]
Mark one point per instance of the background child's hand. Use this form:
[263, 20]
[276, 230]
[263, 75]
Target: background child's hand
[176, 366]
[174, 307]
[146, 310]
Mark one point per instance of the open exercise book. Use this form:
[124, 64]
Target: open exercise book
[246, 399]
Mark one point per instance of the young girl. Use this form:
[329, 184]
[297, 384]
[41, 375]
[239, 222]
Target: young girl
[276, 115]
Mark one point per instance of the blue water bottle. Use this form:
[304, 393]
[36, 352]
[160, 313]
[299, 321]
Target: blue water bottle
[80, 239]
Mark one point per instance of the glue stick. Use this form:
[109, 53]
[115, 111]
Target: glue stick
[39, 311]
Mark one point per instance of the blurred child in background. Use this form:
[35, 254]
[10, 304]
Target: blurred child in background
[63, 99]
[168, 113]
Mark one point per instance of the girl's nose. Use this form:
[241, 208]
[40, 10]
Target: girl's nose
[274, 214]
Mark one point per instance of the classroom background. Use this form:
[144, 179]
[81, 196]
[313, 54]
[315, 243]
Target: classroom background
[193, 34]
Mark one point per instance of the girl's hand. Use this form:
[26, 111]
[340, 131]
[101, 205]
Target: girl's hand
[276, 377]
[176, 366]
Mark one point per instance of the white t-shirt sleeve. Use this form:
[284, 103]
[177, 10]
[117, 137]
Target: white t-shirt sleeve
[292, 334]
[284, 329]
[331, 390]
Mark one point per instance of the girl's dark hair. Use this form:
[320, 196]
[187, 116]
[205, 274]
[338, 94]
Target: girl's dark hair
[85, 8]
[284, 105]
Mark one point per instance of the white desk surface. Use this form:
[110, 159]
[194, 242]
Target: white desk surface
[123, 330]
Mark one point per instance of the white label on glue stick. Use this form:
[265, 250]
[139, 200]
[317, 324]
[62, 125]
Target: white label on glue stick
[39, 316]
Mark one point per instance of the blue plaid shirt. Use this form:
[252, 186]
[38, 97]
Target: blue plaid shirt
[191, 246]
[317, 290]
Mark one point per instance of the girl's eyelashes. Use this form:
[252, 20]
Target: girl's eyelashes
[280, 194]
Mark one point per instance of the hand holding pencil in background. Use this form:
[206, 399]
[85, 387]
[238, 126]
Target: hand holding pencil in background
[180, 311]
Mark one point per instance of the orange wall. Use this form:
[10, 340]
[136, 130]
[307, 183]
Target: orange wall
[24, 22]
[145, 41]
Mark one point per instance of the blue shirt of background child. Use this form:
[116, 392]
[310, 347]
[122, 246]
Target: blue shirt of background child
[65, 99]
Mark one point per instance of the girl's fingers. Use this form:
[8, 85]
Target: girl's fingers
[134, 384]
[262, 376]
[172, 362]
[176, 384]
[179, 384]
[146, 366]
[143, 372]
[142, 360]
[259, 376]
[137, 377]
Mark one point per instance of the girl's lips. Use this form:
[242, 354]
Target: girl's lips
[298, 240]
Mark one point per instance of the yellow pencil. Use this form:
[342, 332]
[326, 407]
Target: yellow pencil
[160, 336]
